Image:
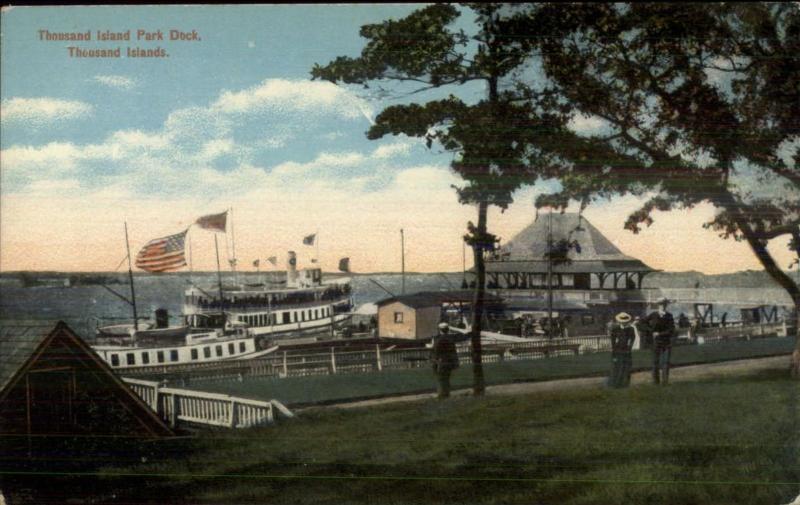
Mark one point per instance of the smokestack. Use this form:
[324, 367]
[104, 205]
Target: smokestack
[291, 270]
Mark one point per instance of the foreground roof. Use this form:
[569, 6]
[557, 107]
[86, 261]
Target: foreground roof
[18, 341]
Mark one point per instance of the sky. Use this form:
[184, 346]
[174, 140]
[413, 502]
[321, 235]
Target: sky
[232, 120]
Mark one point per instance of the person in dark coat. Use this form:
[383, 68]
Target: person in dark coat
[662, 326]
[444, 359]
[622, 337]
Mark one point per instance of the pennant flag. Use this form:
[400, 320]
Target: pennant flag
[256, 263]
[273, 260]
[213, 221]
[344, 264]
[309, 239]
[163, 254]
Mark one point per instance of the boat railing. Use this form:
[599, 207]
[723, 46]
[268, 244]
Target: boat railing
[264, 306]
[212, 409]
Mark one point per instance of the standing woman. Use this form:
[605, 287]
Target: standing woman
[622, 336]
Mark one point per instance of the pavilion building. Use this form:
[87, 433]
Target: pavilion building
[595, 282]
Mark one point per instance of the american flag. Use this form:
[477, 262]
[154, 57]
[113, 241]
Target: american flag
[163, 254]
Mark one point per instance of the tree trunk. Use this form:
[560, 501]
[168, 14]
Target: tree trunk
[759, 248]
[478, 385]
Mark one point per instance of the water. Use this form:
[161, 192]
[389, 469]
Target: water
[84, 307]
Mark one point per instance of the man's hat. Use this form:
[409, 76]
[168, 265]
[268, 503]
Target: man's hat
[623, 317]
[444, 326]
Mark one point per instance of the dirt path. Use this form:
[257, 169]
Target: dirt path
[679, 374]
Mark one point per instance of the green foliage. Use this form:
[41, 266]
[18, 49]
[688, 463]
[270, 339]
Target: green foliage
[702, 97]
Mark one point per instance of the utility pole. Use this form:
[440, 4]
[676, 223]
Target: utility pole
[550, 274]
[402, 262]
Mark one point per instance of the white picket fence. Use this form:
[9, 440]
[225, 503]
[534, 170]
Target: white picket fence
[213, 409]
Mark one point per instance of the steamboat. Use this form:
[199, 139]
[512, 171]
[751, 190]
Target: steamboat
[232, 322]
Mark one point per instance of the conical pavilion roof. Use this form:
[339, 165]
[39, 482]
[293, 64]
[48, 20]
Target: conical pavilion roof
[597, 253]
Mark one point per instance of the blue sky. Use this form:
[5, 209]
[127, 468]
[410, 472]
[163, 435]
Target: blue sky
[233, 120]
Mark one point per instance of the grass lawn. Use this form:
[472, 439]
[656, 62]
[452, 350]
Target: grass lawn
[731, 441]
[327, 388]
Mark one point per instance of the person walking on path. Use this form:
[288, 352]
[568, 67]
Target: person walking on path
[444, 359]
[662, 325]
[622, 337]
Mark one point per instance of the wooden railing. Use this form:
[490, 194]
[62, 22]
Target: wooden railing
[211, 409]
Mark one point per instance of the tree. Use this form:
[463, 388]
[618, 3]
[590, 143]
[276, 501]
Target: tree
[498, 143]
[704, 100]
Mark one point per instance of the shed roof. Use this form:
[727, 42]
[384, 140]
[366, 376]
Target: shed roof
[20, 345]
[18, 341]
[435, 298]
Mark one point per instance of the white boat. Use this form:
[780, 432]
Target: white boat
[229, 323]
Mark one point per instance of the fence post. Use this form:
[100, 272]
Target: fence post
[155, 402]
[333, 361]
[233, 417]
[378, 363]
[173, 414]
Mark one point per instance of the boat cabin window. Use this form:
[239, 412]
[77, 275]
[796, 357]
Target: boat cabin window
[194, 353]
[231, 349]
[160, 356]
[114, 360]
[130, 358]
[145, 358]
[173, 355]
[242, 347]
[219, 350]
[206, 352]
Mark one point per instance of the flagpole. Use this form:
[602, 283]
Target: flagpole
[219, 281]
[190, 254]
[233, 249]
[130, 277]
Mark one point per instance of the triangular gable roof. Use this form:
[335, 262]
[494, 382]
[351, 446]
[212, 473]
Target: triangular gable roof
[18, 341]
[22, 342]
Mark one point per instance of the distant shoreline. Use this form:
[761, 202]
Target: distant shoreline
[685, 279]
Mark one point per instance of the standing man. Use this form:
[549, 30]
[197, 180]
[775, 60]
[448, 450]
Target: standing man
[444, 359]
[662, 326]
[622, 337]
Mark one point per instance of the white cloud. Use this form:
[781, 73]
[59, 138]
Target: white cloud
[37, 112]
[120, 82]
[283, 95]
[392, 150]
